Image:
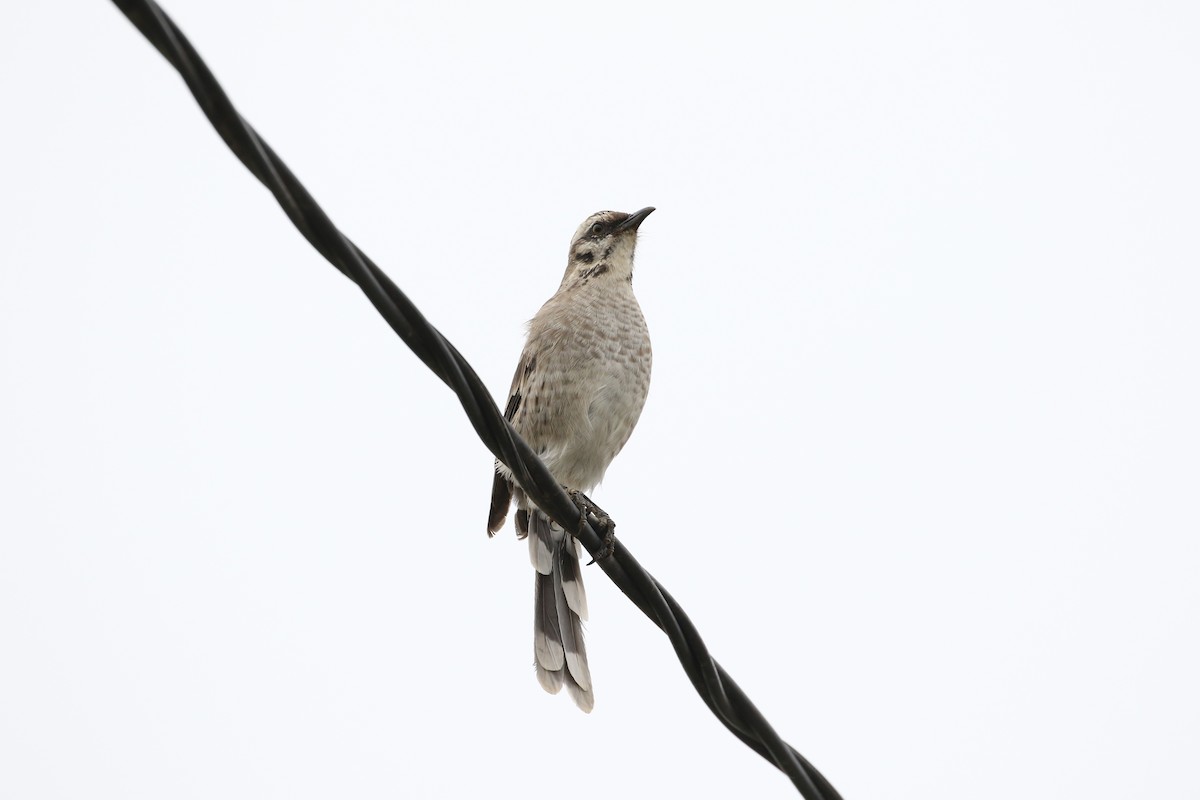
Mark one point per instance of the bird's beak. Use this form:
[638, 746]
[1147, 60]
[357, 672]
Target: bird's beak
[633, 220]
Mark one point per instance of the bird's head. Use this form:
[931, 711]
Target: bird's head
[604, 245]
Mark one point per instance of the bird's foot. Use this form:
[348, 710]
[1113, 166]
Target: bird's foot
[607, 526]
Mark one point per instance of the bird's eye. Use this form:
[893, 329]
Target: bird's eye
[597, 228]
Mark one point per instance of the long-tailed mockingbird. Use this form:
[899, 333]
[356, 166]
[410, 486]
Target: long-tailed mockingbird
[579, 390]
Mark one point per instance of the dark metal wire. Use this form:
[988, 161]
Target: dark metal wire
[722, 695]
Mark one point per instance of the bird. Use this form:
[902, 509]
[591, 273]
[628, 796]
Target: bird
[578, 391]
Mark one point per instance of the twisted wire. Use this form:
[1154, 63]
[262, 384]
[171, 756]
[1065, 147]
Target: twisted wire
[720, 693]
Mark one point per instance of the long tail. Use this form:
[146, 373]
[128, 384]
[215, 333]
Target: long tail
[559, 607]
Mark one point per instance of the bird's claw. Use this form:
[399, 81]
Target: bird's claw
[607, 526]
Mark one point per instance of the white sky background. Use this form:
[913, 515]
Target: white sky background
[919, 458]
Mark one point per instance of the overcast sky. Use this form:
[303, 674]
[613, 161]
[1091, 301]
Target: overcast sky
[919, 457]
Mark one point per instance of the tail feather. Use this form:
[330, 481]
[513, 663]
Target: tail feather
[548, 650]
[572, 579]
[571, 628]
[541, 544]
[559, 653]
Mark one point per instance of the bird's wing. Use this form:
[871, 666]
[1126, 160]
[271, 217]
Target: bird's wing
[502, 488]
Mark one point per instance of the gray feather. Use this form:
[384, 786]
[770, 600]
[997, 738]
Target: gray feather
[583, 697]
[558, 649]
[541, 543]
[502, 491]
[548, 654]
[570, 627]
[572, 578]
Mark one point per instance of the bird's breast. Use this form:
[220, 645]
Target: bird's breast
[597, 360]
